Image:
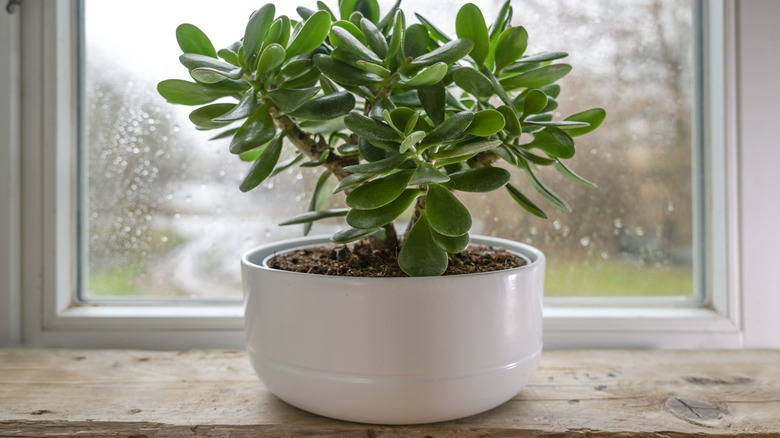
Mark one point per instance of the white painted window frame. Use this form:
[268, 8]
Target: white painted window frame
[38, 262]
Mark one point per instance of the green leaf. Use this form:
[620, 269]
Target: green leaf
[192, 93]
[503, 18]
[512, 125]
[229, 56]
[204, 116]
[563, 124]
[450, 244]
[411, 140]
[571, 176]
[208, 75]
[525, 202]
[319, 161]
[554, 141]
[420, 256]
[432, 98]
[193, 40]
[458, 159]
[381, 166]
[369, 128]
[447, 215]
[329, 106]
[256, 29]
[593, 116]
[304, 12]
[286, 164]
[376, 41]
[295, 69]
[448, 53]
[427, 173]
[312, 216]
[253, 155]
[264, 165]
[379, 191]
[486, 122]
[367, 219]
[470, 24]
[449, 129]
[314, 31]
[535, 102]
[348, 235]
[195, 61]
[289, 99]
[544, 75]
[258, 129]
[544, 57]
[536, 159]
[351, 180]
[510, 46]
[307, 80]
[272, 57]
[415, 41]
[342, 73]
[225, 134]
[369, 8]
[467, 148]
[356, 47]
[318, 198]
[435, 32]
[323, 7]
[396, 36]
[543, 189]
[474, 83]
[275, 32]
[246, 106]
[427, 76]
[479, 179]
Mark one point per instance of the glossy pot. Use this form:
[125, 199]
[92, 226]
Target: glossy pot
[394, 350]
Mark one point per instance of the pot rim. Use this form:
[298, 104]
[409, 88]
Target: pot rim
[258, 257]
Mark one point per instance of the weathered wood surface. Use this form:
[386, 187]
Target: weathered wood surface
[216, 394]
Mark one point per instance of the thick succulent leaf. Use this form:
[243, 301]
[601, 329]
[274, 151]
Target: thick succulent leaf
[447, 215]
[450, 244]
[510, 46]
[415, 41]
[564, 124]
[204, 116]
[470, 24]
[348, 235]
[474, 83]
[351, 181]
[535, 101]
[543, 189]
[355, 46]
[380, 151]
[512, 125]
[229, 56]
[592, 116]
[304, 12]
[435, 33]
[342, 73]
[449, 129]
[506, 154]
[255, 32]
[314, 31]
[377, 167]
[367, 219]
[544, 75]
[399, 24]
[263, 166]
[374, 38]
[208, 75]
[272, 57]
[318, 198]
[312, 216]
[225, 134]
[571, 176]
[533, 158]
[196, 60]
[373, 68]
[245, 108]
[379, 191]
[295, 69]
[503, 18]
[544, 57]
[427, 76]
[258, 129]
[368, 8]
[427, 173]
[275, 32]
[448, 53]
[192, 93]
[420, 256]
[524, 202]
[458, 159]
[286, 164]
[253, 155]
[479, 179]
[554, 141]
[289, 99]
[308, 79]
[432, 98]
[329, 106]
[466, 148]
[319, 161]
[369, 128]
[486, 122]
[193, 40]
[411, 140]
[387, 21]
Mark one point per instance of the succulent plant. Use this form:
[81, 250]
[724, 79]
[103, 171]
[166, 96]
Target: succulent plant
[403, 115]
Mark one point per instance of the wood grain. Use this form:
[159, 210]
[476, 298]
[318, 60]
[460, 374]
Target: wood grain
[593, 393]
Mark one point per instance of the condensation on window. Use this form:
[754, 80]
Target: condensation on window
[165, 219]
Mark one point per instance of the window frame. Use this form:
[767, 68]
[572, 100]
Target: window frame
[40, 241]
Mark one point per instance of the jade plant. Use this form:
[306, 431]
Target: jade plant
[403, 115]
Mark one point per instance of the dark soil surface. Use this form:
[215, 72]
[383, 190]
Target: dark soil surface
[363, 260]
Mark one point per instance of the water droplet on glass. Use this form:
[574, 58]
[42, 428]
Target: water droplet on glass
[604, 255]
[585, 241]
[670, 206]
[618, 223]
[556, 225]
[640, 231]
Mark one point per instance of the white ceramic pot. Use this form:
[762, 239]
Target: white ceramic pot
[394, 350]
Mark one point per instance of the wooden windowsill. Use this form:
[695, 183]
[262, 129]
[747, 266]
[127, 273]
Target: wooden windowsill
[215, 393]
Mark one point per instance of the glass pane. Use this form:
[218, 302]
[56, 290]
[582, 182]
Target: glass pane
[165, 219]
